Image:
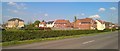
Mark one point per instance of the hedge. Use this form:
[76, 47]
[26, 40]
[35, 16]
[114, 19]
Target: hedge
[20, 35]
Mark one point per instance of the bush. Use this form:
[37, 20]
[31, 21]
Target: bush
[21, 35]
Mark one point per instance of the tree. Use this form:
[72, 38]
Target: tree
[29, 25]
[75, 18]
[29, 22]
[36, 23]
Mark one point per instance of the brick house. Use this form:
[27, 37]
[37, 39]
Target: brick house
[62, 24]
[72, 24]
[85, 24]
[109, 25]
[15, 22]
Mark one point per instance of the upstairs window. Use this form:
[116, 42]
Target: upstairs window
[85, 22]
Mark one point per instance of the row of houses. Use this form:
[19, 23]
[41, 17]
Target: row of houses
[57, 24]
[83, 24]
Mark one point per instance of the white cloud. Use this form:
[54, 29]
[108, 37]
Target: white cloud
[79, 14]
[17, 6]
[113, 8]
[15, 11]
[21, 6]
[102, 9]
[94, 16]
[82, 14]
[12, 3]
[45, 14]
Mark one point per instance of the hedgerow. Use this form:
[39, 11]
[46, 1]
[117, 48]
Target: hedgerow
[21, 35]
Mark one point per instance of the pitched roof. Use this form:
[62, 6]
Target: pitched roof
[62, 21]
[101, 21]
[42, 22]
[107, 23]
[50, 22]
[13, 19]
[85, 20]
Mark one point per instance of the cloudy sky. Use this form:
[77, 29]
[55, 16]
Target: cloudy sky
[31, 11]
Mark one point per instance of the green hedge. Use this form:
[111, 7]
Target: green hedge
[20, 35]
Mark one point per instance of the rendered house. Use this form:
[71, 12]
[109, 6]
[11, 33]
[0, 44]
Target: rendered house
[62, 24]
[85, 24]
[42, 24]
[15, 22]
[50, 24]
[100, 25]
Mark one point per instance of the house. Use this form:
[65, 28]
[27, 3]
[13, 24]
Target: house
[61, 23]
[50, 24]
[100, 24]
[15, 22]
[85, 24]
[72, 24]
[42, 24]
[109, 25]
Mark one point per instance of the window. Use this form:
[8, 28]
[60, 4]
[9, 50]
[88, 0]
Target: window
[64, 24]
[79, 23]
[85, 22]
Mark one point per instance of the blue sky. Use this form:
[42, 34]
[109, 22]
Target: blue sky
[61, 0]
[31, 11]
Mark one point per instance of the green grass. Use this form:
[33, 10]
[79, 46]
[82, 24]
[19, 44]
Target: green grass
[12, 43]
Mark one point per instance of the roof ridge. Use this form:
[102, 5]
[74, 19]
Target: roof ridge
[13, 19]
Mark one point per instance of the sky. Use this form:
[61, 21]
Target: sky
[61, 0]
[31, 11]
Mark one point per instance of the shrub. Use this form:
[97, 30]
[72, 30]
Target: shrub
[21, 35]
